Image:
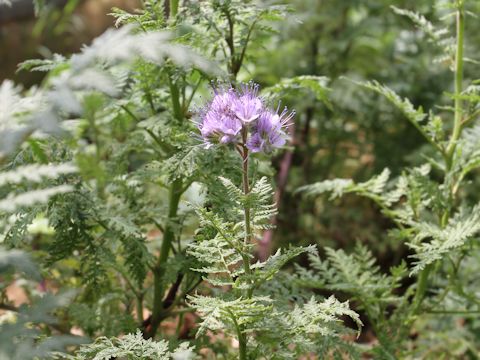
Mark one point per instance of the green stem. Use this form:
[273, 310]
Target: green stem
[421, 289]
[242, 347]
[173, 8]
[246, 190]
[139, 300]
[242, 341]
[179, 325]
[231, 45]
[160, 267]
[457, 126]
[175, 95]
[457, 129]
[246, 210]
[149, 98]
[244, 50]
[192, 94]
[470, 118]
[98, 155]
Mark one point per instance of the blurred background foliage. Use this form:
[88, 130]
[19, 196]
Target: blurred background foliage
[361, 133]
[355, 136]
[358, 136]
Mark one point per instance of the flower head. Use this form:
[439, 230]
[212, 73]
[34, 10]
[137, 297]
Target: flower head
[248, 106]
[241, 116]
[218, 122]
[270, 131]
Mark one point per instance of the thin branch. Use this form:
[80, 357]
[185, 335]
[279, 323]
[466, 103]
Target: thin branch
[470, 118]
[190, 98]
[8, 307]
[247, 40]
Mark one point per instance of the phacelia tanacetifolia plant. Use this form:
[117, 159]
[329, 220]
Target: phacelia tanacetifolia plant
[435, 210]
[242, 118]
[251, 304]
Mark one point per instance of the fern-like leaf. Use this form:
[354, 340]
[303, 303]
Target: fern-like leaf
[220, 256]
[318, 85]
[443, 240]
[130, 346]
[12, 202]
[230, 315]
[35, 173]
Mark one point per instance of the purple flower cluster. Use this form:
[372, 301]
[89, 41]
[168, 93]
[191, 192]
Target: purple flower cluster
[242, 117]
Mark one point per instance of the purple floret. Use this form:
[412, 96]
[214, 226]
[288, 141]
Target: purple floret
[218, 122]
[235, 116]
[248, 106]
[270, 131]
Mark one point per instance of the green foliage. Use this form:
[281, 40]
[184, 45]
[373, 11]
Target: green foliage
[356, 274]
[316, 84]
[43, 65]
[222, 254]
[227, 28]
[20, 328]
[125, 105]
[19, 335]
[105, 184]
[18, 260]
[404, 105]
[440, 37]
[316, 318]
[18, 119]
[33, 174]
[267, 270]
[372, 188]
[432, 131]
[234, 316]
[151, 17]
[98, 220]
[431, 216]
[131, 346]
[224, 251]
[443, 241]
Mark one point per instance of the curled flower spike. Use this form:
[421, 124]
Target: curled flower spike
[269, 131]
[232, 114]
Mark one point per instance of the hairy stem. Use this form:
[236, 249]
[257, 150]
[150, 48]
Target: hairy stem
[450, 151]
[421, 289]
[175, 94]
[246, 209]
[244, 153]
[457, 126]
[246, 190]
[242, 341]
